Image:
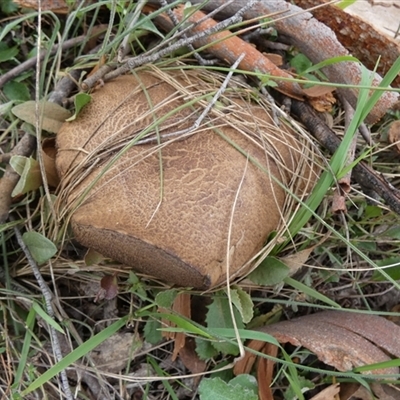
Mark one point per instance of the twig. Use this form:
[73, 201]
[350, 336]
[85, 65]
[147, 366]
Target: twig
[148, 59]
[175, 21]
[42, 284]
[47, 295]
[30, 63]
[228, 47]
[368, 179]
[301, 28]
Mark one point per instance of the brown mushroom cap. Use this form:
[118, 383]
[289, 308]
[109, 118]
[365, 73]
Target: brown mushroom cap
[167, 210]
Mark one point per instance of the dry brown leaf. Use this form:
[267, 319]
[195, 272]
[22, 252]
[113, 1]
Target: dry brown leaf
[113, 354]
[322, 103]
[109, 288]
[49, 160]
[275, 58]
[190, 358]
[394, 135]
[181, 306]
[265, 372]
[328, 393]
[339, 339]
[53, 115]
[297, 260]
[338, 202]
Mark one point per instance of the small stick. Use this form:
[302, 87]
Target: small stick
[31, 62]
[368, 179]
[151, 58]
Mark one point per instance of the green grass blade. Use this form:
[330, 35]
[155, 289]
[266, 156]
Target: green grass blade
[310, 292]
[75, 355]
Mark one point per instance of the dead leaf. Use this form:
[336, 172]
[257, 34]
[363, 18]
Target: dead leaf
[338, 202]
[53, 115]
[113, 354]
[109, 288]
[49, 160]
[394, 135]
[275, 58]
[265, 372]
[340, 339]
[57, 6]
[297, 260]
[181, 306]
[328, 393]
[320, 103]
[191, 360]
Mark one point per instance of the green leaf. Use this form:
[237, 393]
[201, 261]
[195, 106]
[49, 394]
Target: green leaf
[345, 3]
[236, 389]
[39, 310]
[391, 266]
[7, 53]
[166, 298]
[243, 302]
[8, 7]
[270, 272]
[80, 101]
[41, 248]
[152, 332]
[53, 115]
[219, 316]
[245, 381]
[300, 63]
[204, 349]
[16, 91]
[393, 233]
[29, 169]
[310, 292]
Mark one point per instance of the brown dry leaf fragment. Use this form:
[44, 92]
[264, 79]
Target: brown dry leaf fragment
[394, 135]
[322, 103]
[328, 393]
[113, 354]
[49, 160]
[53, 115]
[275, 58]
[295, 261]
[342, 340]
[191, 360]
[338, 202]
[181, 306]
[265, 370]
[109, 284]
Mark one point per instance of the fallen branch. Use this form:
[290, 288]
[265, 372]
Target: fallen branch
[368, 179]
[228, 48]
[359, 37]
[314, 39]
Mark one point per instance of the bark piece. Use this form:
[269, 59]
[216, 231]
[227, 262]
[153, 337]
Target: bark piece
[358, 36]
[317, 41]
